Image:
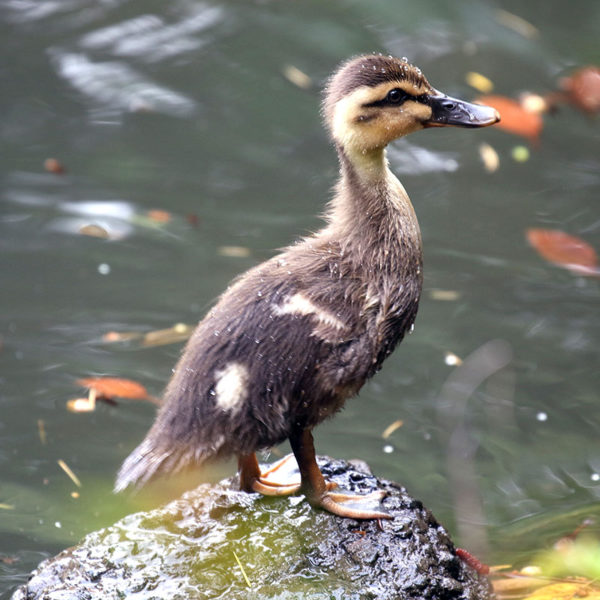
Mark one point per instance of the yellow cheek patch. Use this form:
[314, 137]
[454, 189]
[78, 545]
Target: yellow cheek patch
[358, 126]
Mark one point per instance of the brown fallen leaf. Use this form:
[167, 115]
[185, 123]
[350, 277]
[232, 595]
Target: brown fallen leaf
[93, 230]
[41, 431]
[159, 216]
[111, 337]
[514, 118]
[391, 428]
[111, 387]
[108, 388]
[564, 250]
[582, 89]
[193, 220]
[52, 165]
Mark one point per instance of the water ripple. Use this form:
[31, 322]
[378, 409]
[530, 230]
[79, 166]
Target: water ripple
[120, 87]
[414, 160]
[150, 38]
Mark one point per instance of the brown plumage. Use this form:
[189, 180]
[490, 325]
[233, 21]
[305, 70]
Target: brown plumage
[293, 338]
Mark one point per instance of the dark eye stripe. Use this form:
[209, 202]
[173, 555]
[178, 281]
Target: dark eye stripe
[422, 98]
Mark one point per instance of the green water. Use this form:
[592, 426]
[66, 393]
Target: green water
[183, 106]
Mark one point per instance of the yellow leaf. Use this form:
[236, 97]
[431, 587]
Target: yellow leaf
[480, 82]
[566, 591]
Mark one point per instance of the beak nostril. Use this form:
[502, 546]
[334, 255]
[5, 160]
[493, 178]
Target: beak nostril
[449, 105]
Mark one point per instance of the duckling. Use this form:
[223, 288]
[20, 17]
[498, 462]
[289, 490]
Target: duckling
[293, 338]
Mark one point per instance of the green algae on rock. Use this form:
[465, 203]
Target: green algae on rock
[286, 549]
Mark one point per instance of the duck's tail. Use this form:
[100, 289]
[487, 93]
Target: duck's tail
[148, 461]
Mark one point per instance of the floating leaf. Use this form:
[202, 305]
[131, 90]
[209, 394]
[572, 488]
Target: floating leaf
[517, 24]
[480, 82]
[452, 360]
[79, 405]
[534, 103]
[583, 88]
[111, 337]
[65, 467]
[93, 230]
[52, 165]
[159, 337]
[391, 428]
[41, 431]
[514, 117]
[520, 154]
[564, 250]
[159, 216]
[115, 387]
[444, 295]
[193, 220]
[297, 77]
[178, 333]
[242, 569]
[489, 156]
[234, 251]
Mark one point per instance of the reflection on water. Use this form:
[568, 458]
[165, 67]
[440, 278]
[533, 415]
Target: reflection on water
[151, 38]
[120, 87]
[406, 158]
[185, 107]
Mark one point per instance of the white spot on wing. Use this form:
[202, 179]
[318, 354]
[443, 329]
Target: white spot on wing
[301, 305]
[231, 387]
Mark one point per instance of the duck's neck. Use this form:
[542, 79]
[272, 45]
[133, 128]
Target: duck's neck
[371, 212]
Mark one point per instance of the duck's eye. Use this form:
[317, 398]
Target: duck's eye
[396, 96]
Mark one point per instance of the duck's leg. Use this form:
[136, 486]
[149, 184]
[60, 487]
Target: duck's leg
[252, 480]
[317, 490]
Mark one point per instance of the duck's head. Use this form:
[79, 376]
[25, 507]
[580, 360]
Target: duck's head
[374, 99]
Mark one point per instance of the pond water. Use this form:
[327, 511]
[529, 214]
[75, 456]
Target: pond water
[185, 107]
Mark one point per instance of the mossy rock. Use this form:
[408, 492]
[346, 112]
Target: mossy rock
[190, 549]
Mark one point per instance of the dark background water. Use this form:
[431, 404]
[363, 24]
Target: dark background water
[184, 106]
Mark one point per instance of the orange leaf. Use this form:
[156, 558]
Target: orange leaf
[111, 387]
[159, 216]
[564, 250]
[52, 165]
[514, 118]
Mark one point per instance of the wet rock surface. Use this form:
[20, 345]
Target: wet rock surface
[287, 550]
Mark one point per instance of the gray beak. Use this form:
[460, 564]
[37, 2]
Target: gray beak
[451, 111]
